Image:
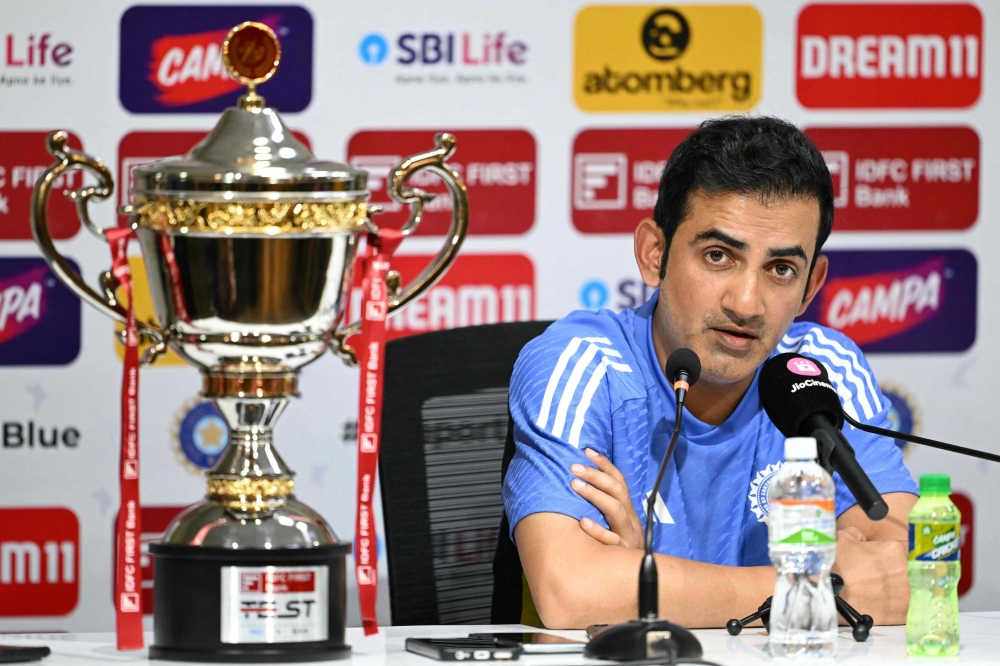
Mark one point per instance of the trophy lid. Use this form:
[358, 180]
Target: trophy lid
[250, 156]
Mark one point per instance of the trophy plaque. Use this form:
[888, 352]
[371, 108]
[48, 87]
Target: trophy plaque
[249, 242]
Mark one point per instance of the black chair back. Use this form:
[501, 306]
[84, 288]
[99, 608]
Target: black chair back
[444, 426]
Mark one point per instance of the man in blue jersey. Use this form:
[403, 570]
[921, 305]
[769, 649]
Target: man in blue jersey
[744, 207]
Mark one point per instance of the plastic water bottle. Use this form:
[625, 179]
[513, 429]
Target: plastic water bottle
[934, 570]
[802, 543]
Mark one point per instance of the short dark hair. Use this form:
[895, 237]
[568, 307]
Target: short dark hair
[763, 157]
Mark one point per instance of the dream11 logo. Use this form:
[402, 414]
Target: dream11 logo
[900, 300]
[169, 66]
[889, 56]
[477, 289]
[39, 562]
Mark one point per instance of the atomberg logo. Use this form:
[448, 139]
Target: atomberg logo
[616, 176]
[913, 301]
[166, 67]
[477, 289]
[39, 316]
[889, 56]
[497, 165]
[905, 178]
[688, 58]
[39, 562]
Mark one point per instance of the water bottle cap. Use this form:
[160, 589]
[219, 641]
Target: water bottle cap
[800, 448]
[935, 484]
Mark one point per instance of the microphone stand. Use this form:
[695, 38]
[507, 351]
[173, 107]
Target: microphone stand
[649, 637]
[921, 440]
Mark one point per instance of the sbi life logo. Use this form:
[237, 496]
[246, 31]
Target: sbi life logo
[629, 293]
[373, 49]
[451, 48]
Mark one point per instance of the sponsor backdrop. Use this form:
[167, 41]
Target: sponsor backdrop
[564, 113]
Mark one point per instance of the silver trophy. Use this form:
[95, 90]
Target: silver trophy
[249, 243]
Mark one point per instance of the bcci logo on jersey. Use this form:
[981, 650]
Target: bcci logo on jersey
[758, 491]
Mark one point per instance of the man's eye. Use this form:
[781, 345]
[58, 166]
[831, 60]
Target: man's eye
[716, 256]
[784, 270]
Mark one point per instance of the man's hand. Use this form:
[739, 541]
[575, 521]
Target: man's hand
[606, 489]
[874, 572]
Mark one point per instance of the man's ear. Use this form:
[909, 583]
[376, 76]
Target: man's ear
[649, 242]
[816, 281]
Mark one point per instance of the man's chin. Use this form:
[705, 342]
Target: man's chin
[722, 365]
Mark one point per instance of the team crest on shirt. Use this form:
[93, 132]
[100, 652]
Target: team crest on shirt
[758, 491]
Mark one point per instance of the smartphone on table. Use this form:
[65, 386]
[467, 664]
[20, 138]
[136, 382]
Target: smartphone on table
[535, 642]
[462, 649]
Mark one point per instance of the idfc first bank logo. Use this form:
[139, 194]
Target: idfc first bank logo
[171, 58]
[900, 300]
[889, 56]
[39, 316]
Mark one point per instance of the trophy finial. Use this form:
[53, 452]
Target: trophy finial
[251, 54]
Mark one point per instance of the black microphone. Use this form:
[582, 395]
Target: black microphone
[798, 397]
[649, 637]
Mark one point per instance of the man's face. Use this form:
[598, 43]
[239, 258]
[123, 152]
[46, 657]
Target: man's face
[737, 275]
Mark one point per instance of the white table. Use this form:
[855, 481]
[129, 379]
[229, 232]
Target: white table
[886, 646]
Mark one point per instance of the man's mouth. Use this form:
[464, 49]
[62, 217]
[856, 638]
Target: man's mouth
[735, 338]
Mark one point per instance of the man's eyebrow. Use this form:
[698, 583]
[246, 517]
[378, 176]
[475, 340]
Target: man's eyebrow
[793, 251]
[715, 234]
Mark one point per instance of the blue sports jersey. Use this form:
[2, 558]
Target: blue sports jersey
[593, 380]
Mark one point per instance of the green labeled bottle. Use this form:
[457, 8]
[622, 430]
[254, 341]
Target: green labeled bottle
[934, 570]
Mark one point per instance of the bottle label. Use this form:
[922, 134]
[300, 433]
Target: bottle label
[934, 542]
[805, 522]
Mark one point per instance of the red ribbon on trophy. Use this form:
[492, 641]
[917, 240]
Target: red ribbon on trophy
[128, 526]
[371, 357]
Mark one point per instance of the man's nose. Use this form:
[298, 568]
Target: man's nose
[743, 296]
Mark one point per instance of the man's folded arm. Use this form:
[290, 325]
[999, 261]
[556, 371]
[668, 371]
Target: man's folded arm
[576, 581]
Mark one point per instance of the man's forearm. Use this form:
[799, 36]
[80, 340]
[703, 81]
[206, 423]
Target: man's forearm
[576, 581]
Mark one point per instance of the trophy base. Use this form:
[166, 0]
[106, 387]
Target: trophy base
[256, 606]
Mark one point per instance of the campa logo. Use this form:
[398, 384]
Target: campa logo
[39, 316]
[39, 562]
[168, 67]
[477, 289]
[889, 56]
[919, 300]
[688, 58]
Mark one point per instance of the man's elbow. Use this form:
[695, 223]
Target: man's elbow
[560, 598]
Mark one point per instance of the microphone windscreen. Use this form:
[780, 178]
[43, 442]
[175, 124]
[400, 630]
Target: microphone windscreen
[686, 360]
[792, 388]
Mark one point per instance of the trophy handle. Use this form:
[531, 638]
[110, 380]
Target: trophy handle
[433, 160]
[66, 160]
